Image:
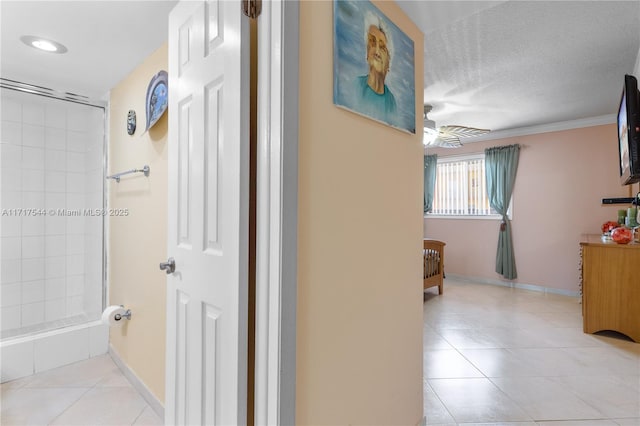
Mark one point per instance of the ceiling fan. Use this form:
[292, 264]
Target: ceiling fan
[446, 136]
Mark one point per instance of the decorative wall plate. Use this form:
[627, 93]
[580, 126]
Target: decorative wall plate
[131, 122]
[157, 97]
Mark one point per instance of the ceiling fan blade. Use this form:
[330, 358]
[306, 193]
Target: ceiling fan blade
[443, 141]
[446, 136]
[440, 139]
[462, 131]
[446, 141]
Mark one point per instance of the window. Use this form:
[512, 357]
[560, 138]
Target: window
[461, 188]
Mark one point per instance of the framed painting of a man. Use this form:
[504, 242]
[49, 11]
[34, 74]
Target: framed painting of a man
[373, 65]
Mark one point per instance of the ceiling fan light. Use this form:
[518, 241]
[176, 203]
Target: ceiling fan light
[429, 124]
[429, 136]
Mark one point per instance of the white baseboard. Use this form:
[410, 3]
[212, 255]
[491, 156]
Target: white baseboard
[523, 286]
[144, 391]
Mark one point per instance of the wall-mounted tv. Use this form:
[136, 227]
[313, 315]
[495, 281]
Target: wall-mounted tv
[629, 132]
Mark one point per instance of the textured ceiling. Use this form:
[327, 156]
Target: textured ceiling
[489, 64]
[512, 64]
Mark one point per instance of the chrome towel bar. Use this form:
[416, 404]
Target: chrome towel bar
[116, 176]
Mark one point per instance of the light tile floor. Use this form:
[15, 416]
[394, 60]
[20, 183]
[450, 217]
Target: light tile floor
[492, 355]
[500, 356]
[91, 392]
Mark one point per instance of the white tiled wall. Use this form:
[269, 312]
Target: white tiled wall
[24, 356]
[51, 155]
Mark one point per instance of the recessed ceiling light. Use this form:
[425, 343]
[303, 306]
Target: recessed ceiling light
[43, 44]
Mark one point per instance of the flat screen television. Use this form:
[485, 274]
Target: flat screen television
[629, 132]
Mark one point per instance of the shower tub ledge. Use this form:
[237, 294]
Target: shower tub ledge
[24, 356]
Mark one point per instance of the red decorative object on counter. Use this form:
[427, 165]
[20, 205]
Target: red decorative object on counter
[622, 235]
[609, 226]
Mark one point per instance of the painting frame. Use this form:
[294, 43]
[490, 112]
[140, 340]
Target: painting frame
[373, 65]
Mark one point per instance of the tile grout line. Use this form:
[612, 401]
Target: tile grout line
[69, 405]
[558, 320]
[441, 402]
[140, 414]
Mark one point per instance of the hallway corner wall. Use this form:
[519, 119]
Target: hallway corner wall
[359, 305]
[138, 240]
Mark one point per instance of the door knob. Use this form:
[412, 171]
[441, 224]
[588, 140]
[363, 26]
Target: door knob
[169, 266]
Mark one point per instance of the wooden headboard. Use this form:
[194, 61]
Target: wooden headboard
[433, 264]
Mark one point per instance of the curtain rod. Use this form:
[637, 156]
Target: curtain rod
[33, 89]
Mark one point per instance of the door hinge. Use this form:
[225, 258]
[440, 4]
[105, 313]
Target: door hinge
[252, 8]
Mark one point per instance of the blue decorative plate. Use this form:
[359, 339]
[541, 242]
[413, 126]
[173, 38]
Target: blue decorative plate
[157, 97]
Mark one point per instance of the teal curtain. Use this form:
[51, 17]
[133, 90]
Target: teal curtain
[501, 165]
[430, 163]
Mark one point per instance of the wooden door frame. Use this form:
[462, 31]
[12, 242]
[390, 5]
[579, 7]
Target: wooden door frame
[277, 213]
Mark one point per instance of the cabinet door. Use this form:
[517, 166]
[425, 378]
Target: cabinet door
[611, 289]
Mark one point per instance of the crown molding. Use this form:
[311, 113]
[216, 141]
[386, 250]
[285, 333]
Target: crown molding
[544, 128]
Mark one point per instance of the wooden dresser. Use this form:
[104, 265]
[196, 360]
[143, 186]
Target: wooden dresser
[610, 286]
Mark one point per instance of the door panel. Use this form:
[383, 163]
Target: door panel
[208, 214]
[213, 136]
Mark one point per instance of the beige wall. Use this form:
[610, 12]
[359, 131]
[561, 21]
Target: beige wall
[359, 328]
[138, 242]
[562, 178]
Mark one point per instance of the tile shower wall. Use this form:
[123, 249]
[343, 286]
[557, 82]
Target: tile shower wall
[51, 155]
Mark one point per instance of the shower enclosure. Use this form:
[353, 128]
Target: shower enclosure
[52, 283]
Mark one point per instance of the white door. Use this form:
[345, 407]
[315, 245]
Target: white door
[206, 374]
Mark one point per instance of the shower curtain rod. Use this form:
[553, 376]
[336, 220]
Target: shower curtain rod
[50, 93]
